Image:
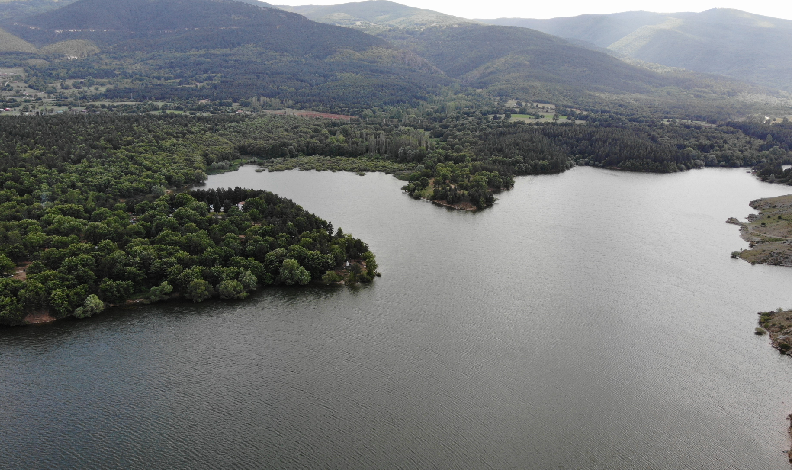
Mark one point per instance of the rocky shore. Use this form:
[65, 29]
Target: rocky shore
[778, 325]
[769, 237]
[768, 233]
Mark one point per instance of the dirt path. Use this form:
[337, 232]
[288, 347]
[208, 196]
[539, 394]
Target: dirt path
[20, 272]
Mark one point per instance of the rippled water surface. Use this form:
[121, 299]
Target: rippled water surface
[589, 320]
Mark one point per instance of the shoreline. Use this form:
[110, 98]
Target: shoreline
[769, 237]
[768, 233]
[343, 277]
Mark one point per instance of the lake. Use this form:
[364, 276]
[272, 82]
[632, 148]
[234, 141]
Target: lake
[589, 320]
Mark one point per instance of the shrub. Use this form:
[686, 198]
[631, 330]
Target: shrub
[231, 289]
[199, 290]
[331, 277]
[92, 305]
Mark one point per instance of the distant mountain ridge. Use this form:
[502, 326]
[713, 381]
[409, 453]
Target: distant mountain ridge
[14, 9]
[720, 41]
[229, 49]
[510, 60]
[187, 25]
[375, 14]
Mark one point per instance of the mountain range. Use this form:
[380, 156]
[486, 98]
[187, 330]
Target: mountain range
[719, 41]
[726, 42]
[238, 49]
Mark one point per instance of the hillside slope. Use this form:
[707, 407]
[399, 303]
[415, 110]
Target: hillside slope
[188, 25]
[225, 49]
[13, 9]
[720, 41]
[527, 64]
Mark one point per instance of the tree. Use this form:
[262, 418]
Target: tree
[199, 290]
[6, 265]
[11, 312]
[248, 281]
[292, 273]
[116, 292]
[91, 306]
[231, 289]
[371, 263]
[160, 292]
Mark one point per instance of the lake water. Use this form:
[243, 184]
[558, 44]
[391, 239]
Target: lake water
[589, 320]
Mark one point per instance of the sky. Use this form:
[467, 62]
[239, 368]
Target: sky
[488, 9]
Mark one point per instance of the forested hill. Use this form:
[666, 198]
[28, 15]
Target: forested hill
[184, 25]
[476, 52]
[598, 30]
[224, 49]
[722, 41]
[511, 61]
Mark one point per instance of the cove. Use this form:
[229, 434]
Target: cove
[592, 319]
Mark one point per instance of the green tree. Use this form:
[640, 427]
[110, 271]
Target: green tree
[199, 290]
[116, 292]
[371, 263]
[91, 306]
[160, 292]
[292, 273]
[231, 289]
[11, 311]
[248, 281]
[6, 265]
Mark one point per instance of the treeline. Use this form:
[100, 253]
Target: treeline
[181, 149]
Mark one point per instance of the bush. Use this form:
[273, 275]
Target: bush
[199, 290]
[292, 273]
[91, 306]
[248, 281]
[160, 292]
[231, 289]
[331, 277]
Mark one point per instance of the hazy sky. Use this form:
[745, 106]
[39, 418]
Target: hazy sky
[549, 9]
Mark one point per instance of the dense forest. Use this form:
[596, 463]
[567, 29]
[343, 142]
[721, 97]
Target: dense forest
[84, 206]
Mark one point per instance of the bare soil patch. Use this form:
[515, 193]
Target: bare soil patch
[38, 317]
